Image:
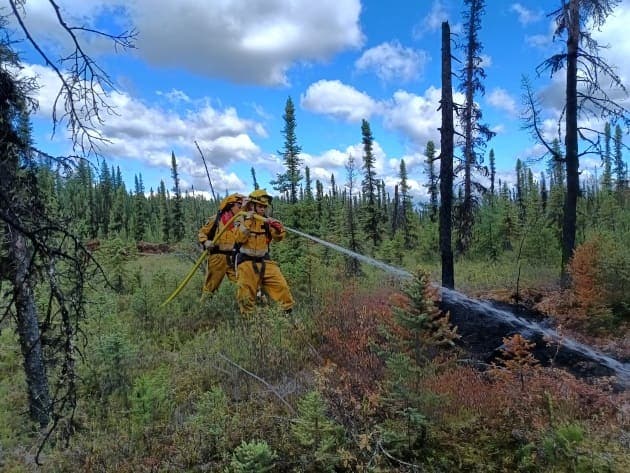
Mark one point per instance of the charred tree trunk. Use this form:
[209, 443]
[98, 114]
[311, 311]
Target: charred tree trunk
[571, 141]
[28, 330]
[447, 132]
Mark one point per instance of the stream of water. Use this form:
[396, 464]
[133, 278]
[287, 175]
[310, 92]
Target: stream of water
[452, 297]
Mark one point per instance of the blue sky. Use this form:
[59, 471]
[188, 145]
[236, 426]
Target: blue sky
[219, 72]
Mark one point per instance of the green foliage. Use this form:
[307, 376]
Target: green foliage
[150, 398]
[404, 429]
[419, 315]
[560, 446]
[114, 255]
[253, 457]
[319, 436]
[210, 425]
[112, 359]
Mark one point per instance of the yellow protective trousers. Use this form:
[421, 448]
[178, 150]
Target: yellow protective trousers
[218, 267]
[265, 275]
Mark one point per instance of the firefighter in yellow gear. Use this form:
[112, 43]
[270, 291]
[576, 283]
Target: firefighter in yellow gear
[255, 270]
[221, 252]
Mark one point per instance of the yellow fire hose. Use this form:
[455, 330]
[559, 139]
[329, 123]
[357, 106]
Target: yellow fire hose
[203, 255]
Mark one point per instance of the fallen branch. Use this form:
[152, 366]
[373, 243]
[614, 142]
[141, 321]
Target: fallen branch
[260, 380]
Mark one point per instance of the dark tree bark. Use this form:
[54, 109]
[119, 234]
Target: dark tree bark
[587, 76]
[447, 132]
[571, 139]
[28, 330]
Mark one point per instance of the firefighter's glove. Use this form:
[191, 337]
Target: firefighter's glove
[275, 224]
[249, 215]
[208, 244]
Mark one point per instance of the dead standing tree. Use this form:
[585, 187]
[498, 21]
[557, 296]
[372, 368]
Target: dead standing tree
[589, 81]
[43, 258]
[447, 132]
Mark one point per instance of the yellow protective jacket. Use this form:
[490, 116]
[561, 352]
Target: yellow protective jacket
[254, 235]
[220, 263]
[254, 268]
[226, 240]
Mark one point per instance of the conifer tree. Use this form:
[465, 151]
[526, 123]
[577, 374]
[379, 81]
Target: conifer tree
[319, 198]
[165, 215]
[584, 66]
[607, 160]
[405, 206]
[308, 191]
[117, 216]
[395, 212]
[333, 186]
[370, 217]
[493, 170]
[256, 186]
[105, 195]
[317, 434]
[447, 132]
[140, 215]
[476, 134]
[621, 173]
[290, 179]
[177, 215]
[432, 184]
[353, 267]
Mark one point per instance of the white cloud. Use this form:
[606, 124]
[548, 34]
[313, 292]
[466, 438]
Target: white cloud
[338, 100]
[392, 62]
[538, 41]
[525, 15]
[486, 61]
[501, 99]
[433, 21]
[247, 41]
[174, 95]
[415, 117]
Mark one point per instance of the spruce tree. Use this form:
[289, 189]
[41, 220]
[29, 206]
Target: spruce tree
[476, 134]
[621, 173]
[177, 215]
[584, 67]
[289, 181]
[165, 214]
[406, 208]
[255, 182]
[140, 215]
[607, 161]
[353, 267]
[370, 215]
[493, 170]
[432, 178]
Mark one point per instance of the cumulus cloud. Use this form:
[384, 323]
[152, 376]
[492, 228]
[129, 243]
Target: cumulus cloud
[246, 41]
[416, 117]
[148, 133]
[433, 21]
[501, 99]
[392, 62]
[525, 15]
[334, 98]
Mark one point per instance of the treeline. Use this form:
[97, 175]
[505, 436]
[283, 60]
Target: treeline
[361, 214]
[96, 203]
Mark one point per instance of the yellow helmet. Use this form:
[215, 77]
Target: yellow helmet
[230, 200]
[260, 196]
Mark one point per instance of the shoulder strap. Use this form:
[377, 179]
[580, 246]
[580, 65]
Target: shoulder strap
[215, 225]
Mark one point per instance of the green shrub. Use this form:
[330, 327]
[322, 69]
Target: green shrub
[150, 398]
[317, 434]
[253, 457]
